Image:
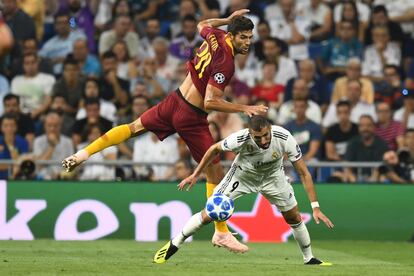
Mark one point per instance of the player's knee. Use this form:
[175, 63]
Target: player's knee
[136, 127]
[293, 218]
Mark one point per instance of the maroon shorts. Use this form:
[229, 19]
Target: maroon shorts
[175, 115]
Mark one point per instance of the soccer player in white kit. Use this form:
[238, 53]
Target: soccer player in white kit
[257, 168]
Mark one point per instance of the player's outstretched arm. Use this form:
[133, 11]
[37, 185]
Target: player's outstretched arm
[217, 22]
[208, 157]
[214, 101]
[307, 182]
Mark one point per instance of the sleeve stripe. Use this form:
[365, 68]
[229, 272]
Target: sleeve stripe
[281, 137]
[280, 134]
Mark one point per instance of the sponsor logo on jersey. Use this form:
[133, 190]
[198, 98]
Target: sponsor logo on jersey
[219, 78]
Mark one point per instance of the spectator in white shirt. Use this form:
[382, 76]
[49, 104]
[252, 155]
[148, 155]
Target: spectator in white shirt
[167, 64]
[286, 68]
[358, 107]
[300, 92]
[382, 52]
[34, 88]
[292, 28]
[405, 114]
[320, 16]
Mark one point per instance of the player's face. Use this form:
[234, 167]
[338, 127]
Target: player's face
[261, 138]
[242, 41]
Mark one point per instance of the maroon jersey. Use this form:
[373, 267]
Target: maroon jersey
[214, 61]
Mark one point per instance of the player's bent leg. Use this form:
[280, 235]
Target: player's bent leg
[301, 235]
[114, 136]
[192, 226]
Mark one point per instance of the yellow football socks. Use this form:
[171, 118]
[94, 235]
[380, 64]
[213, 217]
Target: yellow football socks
[220, 226]
[114, 136]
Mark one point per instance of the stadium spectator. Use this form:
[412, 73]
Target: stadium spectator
[409, 81]
[339, 50]
[167, 64]
[286, 68]
[182, 47]
[186, 8]
[91, 90]
[25, 124]
[267, 89]
[36, 10]
[70, 85]
[238, 91]
[254, 8]
[81, 17]
[121, 31]
[405, 114]
[338, 135]
[387, 129]
[353, 72]
[263, 31]
[398, 165]
[380, 17]
[180, 75]
[139, 105]
[293, 29]
[300, 92]
[149, 149]
[389, 91]
[59, 46]
[52, 146]
[246, 69]
[103, 14]
[208, 9]
[29, 46]
[381, 53]
[125, 65]
[155, 85]
[92, 107]
[318, 90]
[61, 107]
[20, 23]
[98, 172]
[182, 169]
[88, 63]
[112, 88]
[320, 17]
[358, 107]
[12, 146]
[365, 147]
[152, 31]
[350, 11]
[4, 89]
[306, 132]
[33, 88]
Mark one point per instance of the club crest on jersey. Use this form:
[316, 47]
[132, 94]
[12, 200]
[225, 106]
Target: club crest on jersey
[274, 155]
[219, 78]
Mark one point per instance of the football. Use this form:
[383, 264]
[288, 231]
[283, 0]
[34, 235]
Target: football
[219, 207]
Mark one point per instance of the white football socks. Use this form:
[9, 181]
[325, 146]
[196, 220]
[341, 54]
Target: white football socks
[192, 226]
[301, 234]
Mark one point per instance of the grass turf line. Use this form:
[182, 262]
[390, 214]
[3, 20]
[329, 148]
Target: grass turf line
[116, 257]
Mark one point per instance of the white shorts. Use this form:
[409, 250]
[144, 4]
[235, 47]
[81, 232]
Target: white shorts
[237, 183]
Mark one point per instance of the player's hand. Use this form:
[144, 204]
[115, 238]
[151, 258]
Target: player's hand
[256, 110]
[318, 215]
[189, 182]
[238, 13]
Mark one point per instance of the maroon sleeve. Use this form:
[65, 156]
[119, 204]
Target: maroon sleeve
[222, 71]
[206, 31]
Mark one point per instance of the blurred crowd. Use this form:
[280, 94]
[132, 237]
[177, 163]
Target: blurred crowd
[339, 75]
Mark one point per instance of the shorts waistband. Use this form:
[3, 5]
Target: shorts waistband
[193, 107]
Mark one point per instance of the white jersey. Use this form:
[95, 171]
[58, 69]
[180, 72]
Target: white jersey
[258, 162]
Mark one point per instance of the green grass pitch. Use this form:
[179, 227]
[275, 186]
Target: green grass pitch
[115, 257]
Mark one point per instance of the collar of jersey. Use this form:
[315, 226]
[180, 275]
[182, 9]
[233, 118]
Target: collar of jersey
[228, 42]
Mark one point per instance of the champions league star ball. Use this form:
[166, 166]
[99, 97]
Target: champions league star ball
[219, 207]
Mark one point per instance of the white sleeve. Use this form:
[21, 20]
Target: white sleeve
[292, 149]
[234, 141]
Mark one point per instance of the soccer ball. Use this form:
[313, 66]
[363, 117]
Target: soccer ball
[219, 207]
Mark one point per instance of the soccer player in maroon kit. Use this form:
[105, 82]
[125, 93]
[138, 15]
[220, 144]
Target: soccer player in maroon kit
[184, 111]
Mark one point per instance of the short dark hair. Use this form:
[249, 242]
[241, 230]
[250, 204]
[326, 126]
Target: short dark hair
[10, 96]
[25, 55]
[343, 103]
[367, 117]
[408, 130]
[92, 101]
[108, 54]
[147, 100]
[279, 43]
[9, 116]
[257, 122]
[70, 60]
[61, 14]
[240, 24]
[264, 22]
[189, 17]
[379, 9]
[392, 66]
